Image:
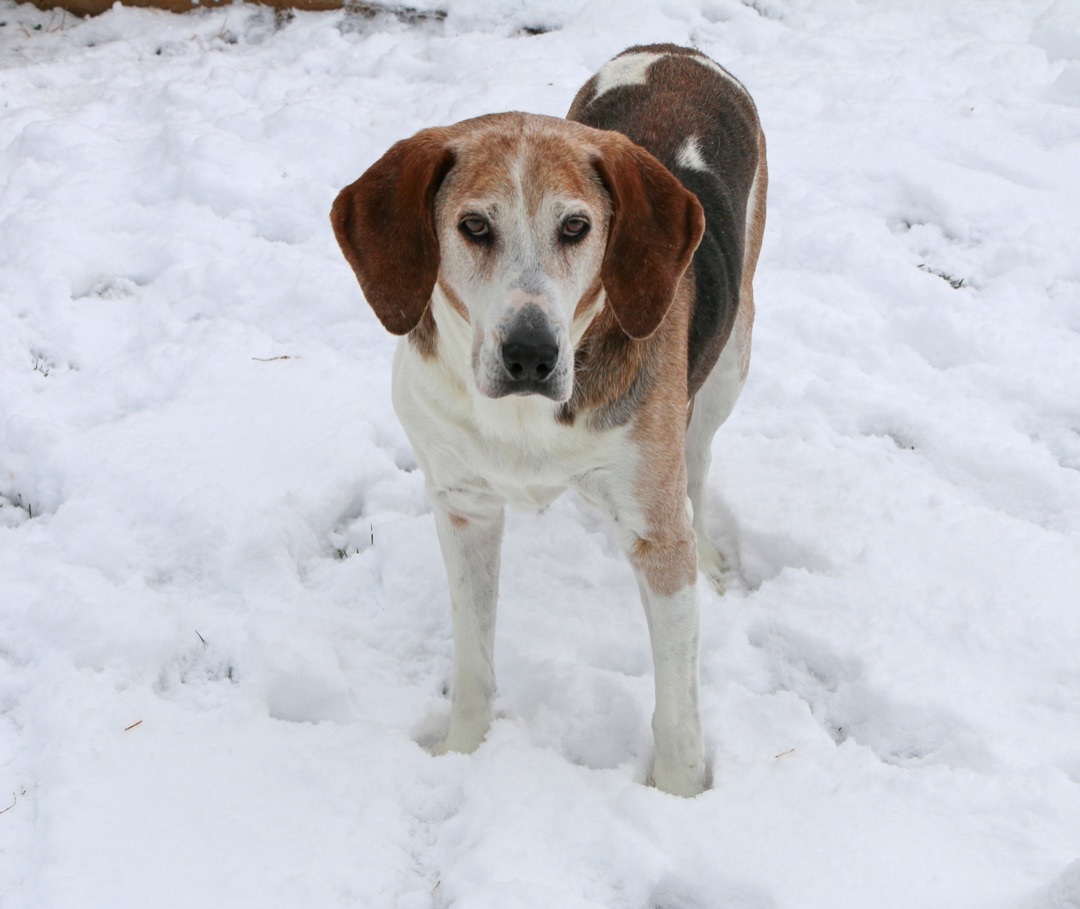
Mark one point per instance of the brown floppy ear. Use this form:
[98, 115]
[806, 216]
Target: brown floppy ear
[656, 224]
[385, 225]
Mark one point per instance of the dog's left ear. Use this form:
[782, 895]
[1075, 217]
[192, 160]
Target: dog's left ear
[385, 225]
[656, 225]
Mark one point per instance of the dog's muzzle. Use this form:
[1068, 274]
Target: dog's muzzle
[530, 356]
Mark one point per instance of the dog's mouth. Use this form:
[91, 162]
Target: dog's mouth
[521, 387]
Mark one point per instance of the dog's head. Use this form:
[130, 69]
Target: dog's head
[528, 224]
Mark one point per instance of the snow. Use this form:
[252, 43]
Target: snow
[224, 625]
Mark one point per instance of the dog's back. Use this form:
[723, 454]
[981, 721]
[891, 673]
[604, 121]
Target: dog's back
[700, 123]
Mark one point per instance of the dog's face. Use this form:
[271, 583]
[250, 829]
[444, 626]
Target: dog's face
[528, 224]
[522, 223]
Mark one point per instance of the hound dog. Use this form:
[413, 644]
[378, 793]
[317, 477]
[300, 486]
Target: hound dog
[576, 304]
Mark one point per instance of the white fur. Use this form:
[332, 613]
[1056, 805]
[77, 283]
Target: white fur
[629, 69]
[679, 766]
[689, 155]
[717, 68]
[509, 448]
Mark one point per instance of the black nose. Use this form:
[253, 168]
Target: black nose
[528, 360]
[530, 352]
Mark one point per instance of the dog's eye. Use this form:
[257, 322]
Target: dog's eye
[574, 229]
[475, 228]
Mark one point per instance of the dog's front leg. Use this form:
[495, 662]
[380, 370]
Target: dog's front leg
[471, 541]
[659, 541]
[679, 767]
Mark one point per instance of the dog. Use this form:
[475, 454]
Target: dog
[575, 303]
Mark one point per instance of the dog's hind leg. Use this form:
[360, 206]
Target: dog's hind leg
[712, 405]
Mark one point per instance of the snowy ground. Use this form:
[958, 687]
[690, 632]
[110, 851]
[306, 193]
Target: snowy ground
[223, 619]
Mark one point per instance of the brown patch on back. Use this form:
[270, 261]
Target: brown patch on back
[684, 96]
[680, 98]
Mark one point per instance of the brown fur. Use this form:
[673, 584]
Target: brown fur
[681, 102]
[655, 227]
[425, 337]
[385, 225]
[687, 98]
[667, 556]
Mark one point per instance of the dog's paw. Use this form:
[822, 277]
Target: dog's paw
[712, 564]
[462, 738]
[685, 780]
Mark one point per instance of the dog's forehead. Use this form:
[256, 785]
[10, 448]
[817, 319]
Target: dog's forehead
[526, 156]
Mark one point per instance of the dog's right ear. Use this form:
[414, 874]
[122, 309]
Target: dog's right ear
[656, 224]
[385, 225]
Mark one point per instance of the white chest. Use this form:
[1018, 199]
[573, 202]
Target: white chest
[511, 448]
